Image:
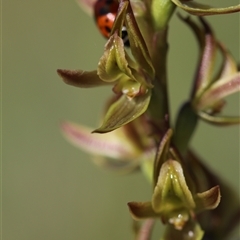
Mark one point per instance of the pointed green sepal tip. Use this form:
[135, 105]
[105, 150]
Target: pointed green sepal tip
[123, 111]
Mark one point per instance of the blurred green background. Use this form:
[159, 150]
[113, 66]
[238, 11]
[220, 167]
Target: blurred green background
[51, 190]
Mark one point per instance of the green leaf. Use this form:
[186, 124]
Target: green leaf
[201, 10]
[123, 111]
[185, 126]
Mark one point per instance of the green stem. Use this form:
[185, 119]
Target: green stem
[161, 12]
[159, 107]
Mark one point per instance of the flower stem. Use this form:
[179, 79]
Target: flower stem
[159, 106]
[161, 11]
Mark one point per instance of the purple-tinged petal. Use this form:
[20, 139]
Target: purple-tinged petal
[219, 90]
[82, 79]
[229, 65]
[207, 200]
[201, 10]
[112, 145]
[142, 210]
[205, 67]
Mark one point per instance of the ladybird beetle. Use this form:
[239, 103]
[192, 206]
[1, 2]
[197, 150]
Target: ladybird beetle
[105, 12]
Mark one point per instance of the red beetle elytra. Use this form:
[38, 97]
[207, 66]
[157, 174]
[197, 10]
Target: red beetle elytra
[105, 12]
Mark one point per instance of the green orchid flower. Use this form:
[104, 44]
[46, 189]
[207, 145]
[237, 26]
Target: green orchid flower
[132, 79]
[123, 150]
[209, 89]
[175, 199]
[183, 188]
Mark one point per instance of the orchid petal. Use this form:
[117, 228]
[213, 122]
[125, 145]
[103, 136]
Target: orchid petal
[144, 74]
[142, 210]
[205, 68]
[119, 20]
[201, 9]
[219, 90]
[229, 66]
[113, 63]
[208, 199]
[123, 111]
[138, 46]
[161, 155]
[82, 79]
[109, 145]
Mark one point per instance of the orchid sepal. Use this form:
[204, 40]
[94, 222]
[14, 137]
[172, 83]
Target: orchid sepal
[123, 111]
[82, 79]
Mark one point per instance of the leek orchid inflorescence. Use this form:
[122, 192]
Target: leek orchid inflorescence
[136, 132]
